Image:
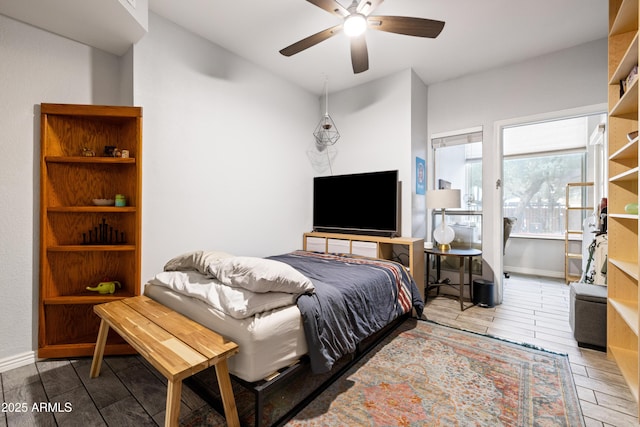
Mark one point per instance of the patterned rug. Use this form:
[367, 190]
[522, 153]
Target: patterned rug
[424, 374]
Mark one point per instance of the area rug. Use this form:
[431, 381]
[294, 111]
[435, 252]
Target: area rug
[425, 374]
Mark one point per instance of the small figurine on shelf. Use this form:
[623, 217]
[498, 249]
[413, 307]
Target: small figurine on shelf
[109, 150]
[105, 287]
[86, 152]
[112, 151]
[121, 200]
[104, 234]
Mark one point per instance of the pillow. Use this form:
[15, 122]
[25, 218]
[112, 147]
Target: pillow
[198, 261]
[260, 275]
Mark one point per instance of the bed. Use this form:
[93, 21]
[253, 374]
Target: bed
[284, 309]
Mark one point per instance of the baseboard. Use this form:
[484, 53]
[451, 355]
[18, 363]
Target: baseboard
[534, 272]
[17, 361]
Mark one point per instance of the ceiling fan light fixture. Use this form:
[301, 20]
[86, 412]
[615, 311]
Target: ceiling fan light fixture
[355, 21]
[355, 24]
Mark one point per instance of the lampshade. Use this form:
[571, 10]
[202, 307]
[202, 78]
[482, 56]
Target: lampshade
[443, 199]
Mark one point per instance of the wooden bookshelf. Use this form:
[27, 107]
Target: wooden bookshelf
[623, 324]
[73, 253]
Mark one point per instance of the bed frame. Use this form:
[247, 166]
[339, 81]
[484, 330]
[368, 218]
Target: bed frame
[261, 388]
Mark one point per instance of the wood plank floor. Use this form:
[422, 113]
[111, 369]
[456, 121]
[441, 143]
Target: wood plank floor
[129, 392]
[535, 311]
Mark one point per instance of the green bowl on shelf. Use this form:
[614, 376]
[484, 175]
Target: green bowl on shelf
[631, 208]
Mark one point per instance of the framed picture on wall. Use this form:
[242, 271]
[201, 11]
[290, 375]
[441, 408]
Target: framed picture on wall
[421, 176]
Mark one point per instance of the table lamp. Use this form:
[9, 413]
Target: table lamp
[442, 199]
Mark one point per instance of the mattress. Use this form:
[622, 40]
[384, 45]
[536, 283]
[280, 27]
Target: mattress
[267, 341]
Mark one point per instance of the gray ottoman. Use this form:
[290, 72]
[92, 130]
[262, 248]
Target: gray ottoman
[588, 314]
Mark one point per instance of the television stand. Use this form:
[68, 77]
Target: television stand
[409, 251]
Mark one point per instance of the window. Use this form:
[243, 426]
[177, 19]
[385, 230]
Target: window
[539, 160]
[458, 160]
[534, 191]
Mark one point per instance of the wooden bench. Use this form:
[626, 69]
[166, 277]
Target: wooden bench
[175, 345]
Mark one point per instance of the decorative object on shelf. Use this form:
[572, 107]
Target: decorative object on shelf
[112, 151]
[104, 234]
[103, 202]
[125, 154]
[109, 150]
[443, 199]
[326, 132]
[633, 75]
[631, 208]
[121, 200]
[86, 152]
[627, 82]
[105, 287]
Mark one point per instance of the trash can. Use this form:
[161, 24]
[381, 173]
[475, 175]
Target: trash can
[483, 293]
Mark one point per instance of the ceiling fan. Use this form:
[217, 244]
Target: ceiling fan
[356, 19]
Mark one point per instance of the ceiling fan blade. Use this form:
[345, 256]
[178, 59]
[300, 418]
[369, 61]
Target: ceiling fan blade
[365, 7]
[418, 27]
[311, 41]
[331, 6]
[359, 54]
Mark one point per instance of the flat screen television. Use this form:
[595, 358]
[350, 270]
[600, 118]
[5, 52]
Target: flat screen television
[363, 203]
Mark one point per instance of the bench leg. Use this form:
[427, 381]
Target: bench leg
[96, 364]
[174, 390]
[226, 391]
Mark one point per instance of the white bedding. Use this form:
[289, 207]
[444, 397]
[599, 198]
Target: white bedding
[268, 341]
[236, 302]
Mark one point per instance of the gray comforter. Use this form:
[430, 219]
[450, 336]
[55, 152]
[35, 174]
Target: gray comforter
[354, 298]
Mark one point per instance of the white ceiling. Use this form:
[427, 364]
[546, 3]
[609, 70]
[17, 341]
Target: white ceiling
[111, 25]
[478, 35]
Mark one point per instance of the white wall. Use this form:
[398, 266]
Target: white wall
[224, 150]
[374, 120]
[535, 257]
[568, 79]
[419, 140]
[36, 67]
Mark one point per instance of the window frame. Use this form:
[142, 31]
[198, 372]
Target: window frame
[540, 154]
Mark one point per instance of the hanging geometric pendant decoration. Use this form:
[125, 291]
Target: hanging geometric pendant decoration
[326, 132]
